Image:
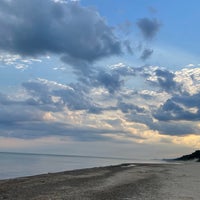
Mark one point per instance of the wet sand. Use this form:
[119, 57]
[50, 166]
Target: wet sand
[124, 182]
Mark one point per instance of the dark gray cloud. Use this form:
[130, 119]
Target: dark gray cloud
[40, 97]
[188, 100]
[172, 127]
[38, 90]
[148, 27]
[82, 67]
[76, 100]
[17, 113]
[128, 107]
[162, 78]
[37, 129]
[179, 108]
[166, 80]
[143, 118]
[172, 111]
[77, 33]
[74, 97]
[147, 97]
[12, 111]
[146, 54]
[111, 81]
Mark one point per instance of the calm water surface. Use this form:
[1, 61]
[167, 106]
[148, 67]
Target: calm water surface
[20, 164]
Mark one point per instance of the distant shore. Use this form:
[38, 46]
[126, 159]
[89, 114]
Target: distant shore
[127, 181]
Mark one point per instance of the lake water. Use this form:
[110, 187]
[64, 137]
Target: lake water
[14, 165]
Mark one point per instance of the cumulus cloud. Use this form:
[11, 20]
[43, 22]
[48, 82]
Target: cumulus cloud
[76, 33]
[189, 79]
[111, 100]
[148, 27]
[171, 106]
[29, 121]
[165, 106]
[183, 89]
[33, 116]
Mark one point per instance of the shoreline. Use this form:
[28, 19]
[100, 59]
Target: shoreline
[15, 165]
[92, 167]
[124, 181]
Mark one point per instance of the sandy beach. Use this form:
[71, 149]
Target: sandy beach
[126, 181]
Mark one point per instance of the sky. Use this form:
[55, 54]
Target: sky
[100, 77]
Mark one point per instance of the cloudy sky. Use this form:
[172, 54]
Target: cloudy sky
[100, 77]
